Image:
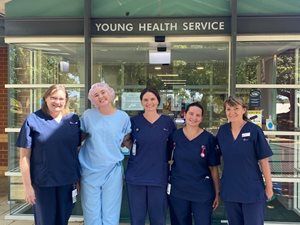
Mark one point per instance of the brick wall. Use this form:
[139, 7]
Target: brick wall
[3, 109]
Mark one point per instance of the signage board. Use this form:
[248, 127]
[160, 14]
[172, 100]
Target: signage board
[161, 26]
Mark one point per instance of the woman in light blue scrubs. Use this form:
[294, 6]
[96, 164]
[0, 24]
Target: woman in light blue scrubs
[48, 142]
[147, 169]
[101, 157]
[194, 183]
[245, 152]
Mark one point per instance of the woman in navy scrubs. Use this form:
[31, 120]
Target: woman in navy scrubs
[194, 172]
[147, 169]
[245, 153]
[48, 143]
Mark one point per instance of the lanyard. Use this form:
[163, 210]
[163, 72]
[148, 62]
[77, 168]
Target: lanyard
[171, 161]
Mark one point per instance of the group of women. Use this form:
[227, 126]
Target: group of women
[165, 164]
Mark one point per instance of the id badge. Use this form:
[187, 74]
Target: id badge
[169, 189]
[133, 150]
[74, 194]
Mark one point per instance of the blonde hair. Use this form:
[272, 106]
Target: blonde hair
[234, 101]
[52, 89]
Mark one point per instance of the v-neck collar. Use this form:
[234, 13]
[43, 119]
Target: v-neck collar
[149, 121]
[195, 138]
[234, 139]
[47, 116]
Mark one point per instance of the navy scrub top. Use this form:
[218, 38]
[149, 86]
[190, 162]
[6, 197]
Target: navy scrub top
[54, 155]
[149, 166]
[242, 178]
[190, 175]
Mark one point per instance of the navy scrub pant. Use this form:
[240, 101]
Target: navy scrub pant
[245, 213]
[182, 212]
[147, 198]
[53, 205]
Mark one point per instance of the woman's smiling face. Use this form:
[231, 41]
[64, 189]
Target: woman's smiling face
[149, 102]
[234, 113]
[101, 98]
[56, 102]
[193, 117]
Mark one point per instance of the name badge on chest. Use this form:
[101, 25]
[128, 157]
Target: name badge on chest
[246, 134]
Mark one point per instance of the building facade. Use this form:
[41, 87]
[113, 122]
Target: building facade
[189, 50]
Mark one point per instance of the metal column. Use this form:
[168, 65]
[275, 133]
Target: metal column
[232, 72]
[87, 49]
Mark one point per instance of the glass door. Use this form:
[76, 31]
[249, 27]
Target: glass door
[183, 69]
[196, 71]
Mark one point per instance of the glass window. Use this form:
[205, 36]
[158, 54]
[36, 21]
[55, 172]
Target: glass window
[278, 104]
[268, 62]
[197, 71]
[285, 206]
[285, 167]
[33, 67]
[46, 63]
[272, 70]
[268, 80]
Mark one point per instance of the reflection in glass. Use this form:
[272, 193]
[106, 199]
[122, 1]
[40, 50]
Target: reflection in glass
[46, 63]
[279, 104]
[198, 72]
[267, 62]
[285, 206]
[43, 63]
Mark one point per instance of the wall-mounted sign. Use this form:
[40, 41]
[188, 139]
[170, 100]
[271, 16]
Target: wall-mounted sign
[269, 123]
[255, 116]
[202, 25]
[151, 26]
[131, 101]
[254, 98]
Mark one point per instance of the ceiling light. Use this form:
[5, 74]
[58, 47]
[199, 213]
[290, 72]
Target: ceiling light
[174, 80]
[159, 57]
[167, 75]
[179, 83]
[47, 49]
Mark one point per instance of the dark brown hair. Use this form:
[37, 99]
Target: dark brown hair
[197, 104]
[153, 91]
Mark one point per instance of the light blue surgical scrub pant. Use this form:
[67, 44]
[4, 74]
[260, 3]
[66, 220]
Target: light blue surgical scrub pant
[101, 195]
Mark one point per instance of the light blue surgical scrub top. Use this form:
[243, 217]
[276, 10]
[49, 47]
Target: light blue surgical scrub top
[102, 148]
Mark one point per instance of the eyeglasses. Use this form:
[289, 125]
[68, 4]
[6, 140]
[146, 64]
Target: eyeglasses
[57, 99]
